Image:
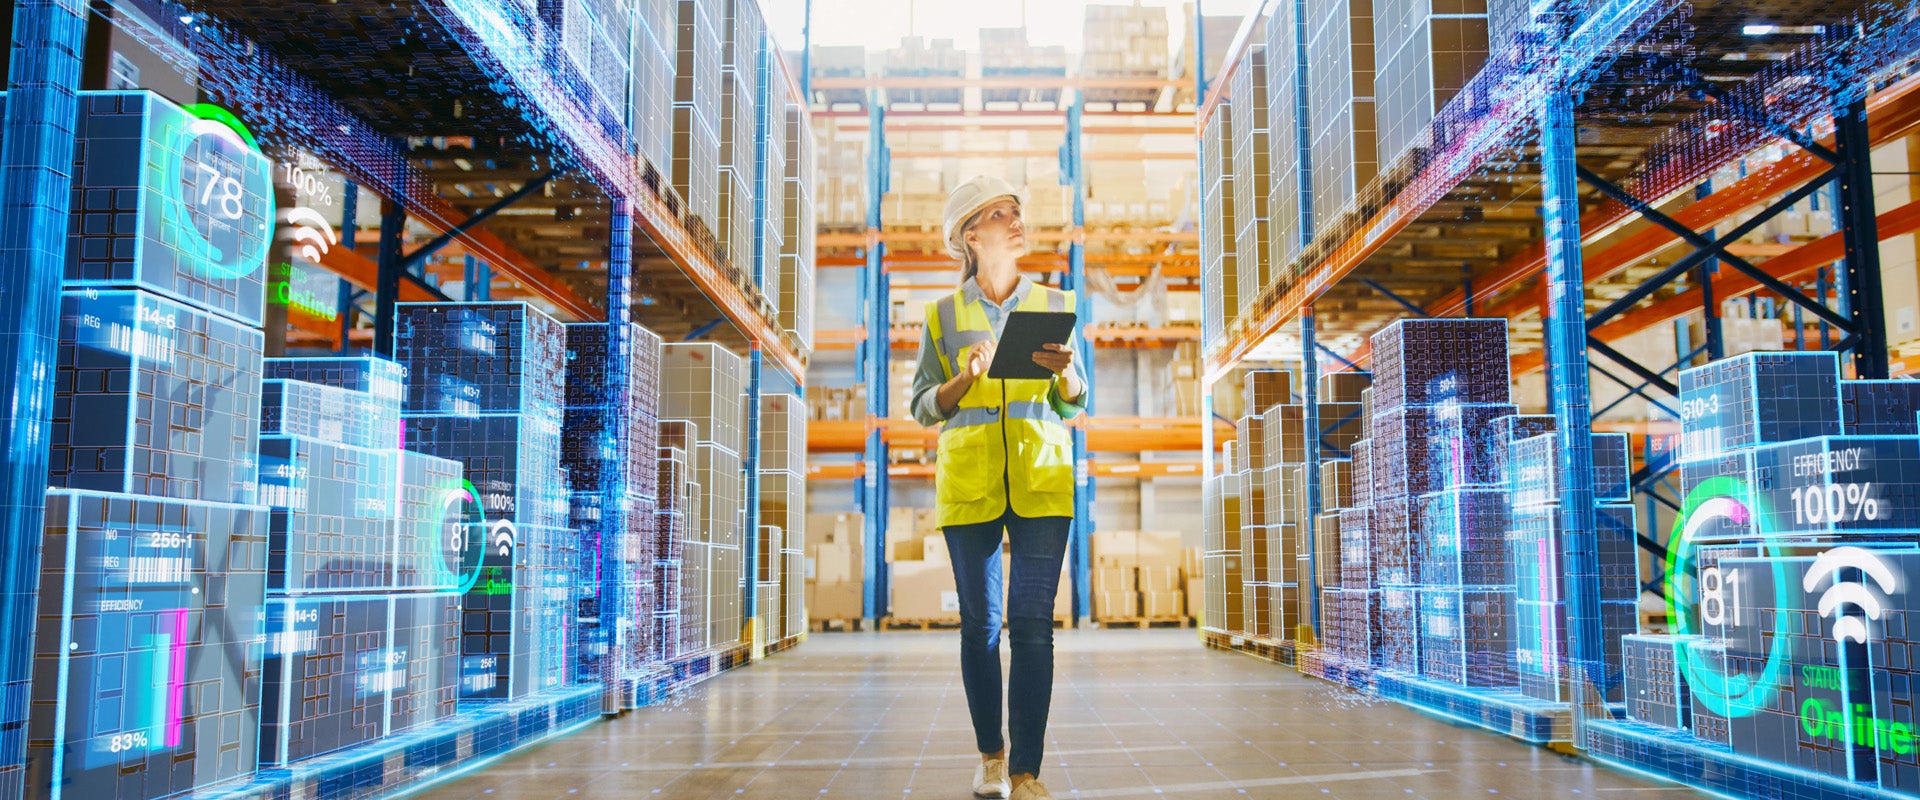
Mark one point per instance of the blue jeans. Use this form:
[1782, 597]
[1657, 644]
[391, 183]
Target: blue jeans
[1039, 544]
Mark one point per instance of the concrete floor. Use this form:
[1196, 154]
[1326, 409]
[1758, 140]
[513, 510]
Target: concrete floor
[1135, 714]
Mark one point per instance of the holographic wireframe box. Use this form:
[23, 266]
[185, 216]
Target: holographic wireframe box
[340, 671]
[1496, 445]
[1880, 408]
[153, 397]
[1336, 484]
[464, 359]
[1710, 681]
[347, 519]
[1421, 449]
[1838, 485]
[1399, 642]
[1363, 473]
[328, 414]
[1656, 692]
[1423, 361]
[705, 384]
[1612, 467]
[1329, 550]
[1467, 637]
[385, 380]
[1390, 533]
[1360, 633]
[1463, 538]
[1539, 654]
[171, 203]
[1340, 426]
[150, 609]
[1533, 469]
[587, 416]
[1534, 541]
[1758, 398]
[1356, 549]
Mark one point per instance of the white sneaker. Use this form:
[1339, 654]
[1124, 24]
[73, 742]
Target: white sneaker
[990, 779]
[1032, 790]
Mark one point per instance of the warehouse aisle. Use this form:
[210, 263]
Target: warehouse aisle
[1136, 714]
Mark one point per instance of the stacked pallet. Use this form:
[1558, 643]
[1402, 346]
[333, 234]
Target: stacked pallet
[1286, 137]
[1426, 52]
[783, 514]
[696, 114]
[1342, 571]
[794, 287]
[1251, 166]
[1340, 102]
[618, 625]
[1219, 272]
[916, 57]
[1139, 576]
[1124, 42]
[835, 567]
[1005, 53]
[596, 35]
[742, 30]
[840, 188]
[680, 559]
[703, 386]
[656, 37]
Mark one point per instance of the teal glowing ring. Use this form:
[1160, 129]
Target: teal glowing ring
[174, 136]
[1730, 696]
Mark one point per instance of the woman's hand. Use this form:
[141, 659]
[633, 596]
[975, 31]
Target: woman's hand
[979, 359]
[1055, 357]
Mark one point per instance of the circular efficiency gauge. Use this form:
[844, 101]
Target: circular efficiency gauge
[463, 536]
[221, 206]
[1734, 603]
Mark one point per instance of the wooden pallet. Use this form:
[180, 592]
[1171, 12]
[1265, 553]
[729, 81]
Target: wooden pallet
[1145, 622]
[898, 624]
[840, 625]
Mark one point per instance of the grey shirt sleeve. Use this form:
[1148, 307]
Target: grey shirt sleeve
[927, 377]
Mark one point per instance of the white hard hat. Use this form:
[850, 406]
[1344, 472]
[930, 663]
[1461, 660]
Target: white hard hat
[966, 200]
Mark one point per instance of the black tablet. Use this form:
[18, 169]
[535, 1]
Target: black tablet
[1022, 336]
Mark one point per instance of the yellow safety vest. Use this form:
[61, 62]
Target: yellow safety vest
[974, 479]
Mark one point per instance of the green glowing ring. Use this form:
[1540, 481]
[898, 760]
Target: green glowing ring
[1729, 696]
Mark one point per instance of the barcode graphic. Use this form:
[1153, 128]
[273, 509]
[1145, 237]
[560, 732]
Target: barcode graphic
[151, 346]
[158, 569]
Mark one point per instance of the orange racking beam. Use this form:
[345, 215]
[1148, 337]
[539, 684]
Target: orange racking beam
[826, 240]
[1171, 264]
[1021, 82]
[907, 337]
[361, 271]
[1728, 284]
[899, 154]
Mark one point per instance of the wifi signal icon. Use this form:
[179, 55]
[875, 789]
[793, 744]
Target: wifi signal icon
[1860, 595]
[311, 233]
[501, 537]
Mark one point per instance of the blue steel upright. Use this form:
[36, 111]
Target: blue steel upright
[1073, 173]
[756, 363]
[874, 351]
[36, 185]
[615, 572]
[1310, 415]
[1566, 328]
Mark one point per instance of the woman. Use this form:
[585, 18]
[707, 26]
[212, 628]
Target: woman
[1004, 464]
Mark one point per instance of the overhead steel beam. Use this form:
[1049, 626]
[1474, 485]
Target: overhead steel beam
[461, 228]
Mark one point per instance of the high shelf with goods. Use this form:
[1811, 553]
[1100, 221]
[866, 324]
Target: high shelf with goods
[395, 388]
[1522, 187]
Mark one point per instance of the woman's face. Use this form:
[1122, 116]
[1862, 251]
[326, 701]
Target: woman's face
[998, 231]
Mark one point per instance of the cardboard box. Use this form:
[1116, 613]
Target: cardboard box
[1116, 605]
[924, 590]
[1155, 605]
[934, 548]
[841, 600]
[1159, 579]
[1113, 580]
